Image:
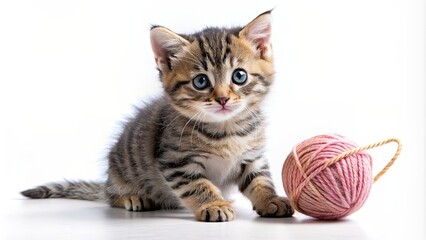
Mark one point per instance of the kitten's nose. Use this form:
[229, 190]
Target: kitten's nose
[222, 100]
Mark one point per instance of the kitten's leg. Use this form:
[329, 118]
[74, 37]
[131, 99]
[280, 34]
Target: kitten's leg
[256, 184]
[123, 195]
[135, 203]
[201, 196]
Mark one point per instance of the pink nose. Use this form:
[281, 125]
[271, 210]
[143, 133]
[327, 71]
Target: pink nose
[222, 100]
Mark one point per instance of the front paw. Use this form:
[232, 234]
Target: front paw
[217, 211]
[274, 207]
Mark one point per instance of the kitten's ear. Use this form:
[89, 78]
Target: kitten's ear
[165, 44]
[258, 32]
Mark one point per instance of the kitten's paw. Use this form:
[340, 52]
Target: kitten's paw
[217, 211]
[274, 207]
[135, 203]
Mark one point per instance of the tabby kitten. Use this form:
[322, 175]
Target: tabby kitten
[204, 134]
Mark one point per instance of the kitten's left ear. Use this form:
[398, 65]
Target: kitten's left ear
[258, 32]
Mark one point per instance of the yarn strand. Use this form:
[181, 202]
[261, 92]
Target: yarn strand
[371, 146]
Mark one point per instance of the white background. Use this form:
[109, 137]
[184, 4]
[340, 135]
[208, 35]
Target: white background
[70, 72]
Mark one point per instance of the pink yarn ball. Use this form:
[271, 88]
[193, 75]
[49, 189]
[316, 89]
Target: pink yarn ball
[322, 189]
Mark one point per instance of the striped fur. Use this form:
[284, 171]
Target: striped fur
[188, 146]
[74, 190]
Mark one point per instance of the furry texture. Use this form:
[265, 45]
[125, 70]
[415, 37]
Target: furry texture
[205, 134]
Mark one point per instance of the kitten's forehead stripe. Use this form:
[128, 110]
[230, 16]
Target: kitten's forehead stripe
[214, 43]
[227, 53]
[215, 48]
[203, 53]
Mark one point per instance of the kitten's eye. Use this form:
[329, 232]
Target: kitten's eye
[201, 82]
[239, 76]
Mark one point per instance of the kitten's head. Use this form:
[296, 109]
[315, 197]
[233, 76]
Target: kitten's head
[216, 74]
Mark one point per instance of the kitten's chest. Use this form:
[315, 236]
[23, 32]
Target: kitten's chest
[223, 166]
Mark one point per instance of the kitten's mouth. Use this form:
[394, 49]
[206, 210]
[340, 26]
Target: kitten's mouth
[221, 113]
[224, 110]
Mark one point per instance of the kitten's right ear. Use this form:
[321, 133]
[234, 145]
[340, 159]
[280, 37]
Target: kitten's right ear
[258, 32]
[164, 44]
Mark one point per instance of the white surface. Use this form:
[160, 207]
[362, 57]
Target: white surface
[70, 71]
[71, 219]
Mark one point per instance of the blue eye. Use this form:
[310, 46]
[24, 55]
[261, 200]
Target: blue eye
[201, 82]
[239, 76]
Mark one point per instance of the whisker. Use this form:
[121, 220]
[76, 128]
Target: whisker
[174, 119]
[183, 129]
[192, 132]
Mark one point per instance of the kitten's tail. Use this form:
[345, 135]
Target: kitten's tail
[74, 190]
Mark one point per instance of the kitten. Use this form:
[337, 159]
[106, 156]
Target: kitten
[203, 135]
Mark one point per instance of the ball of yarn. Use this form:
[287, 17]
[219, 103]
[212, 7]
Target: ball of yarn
[323, 179]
